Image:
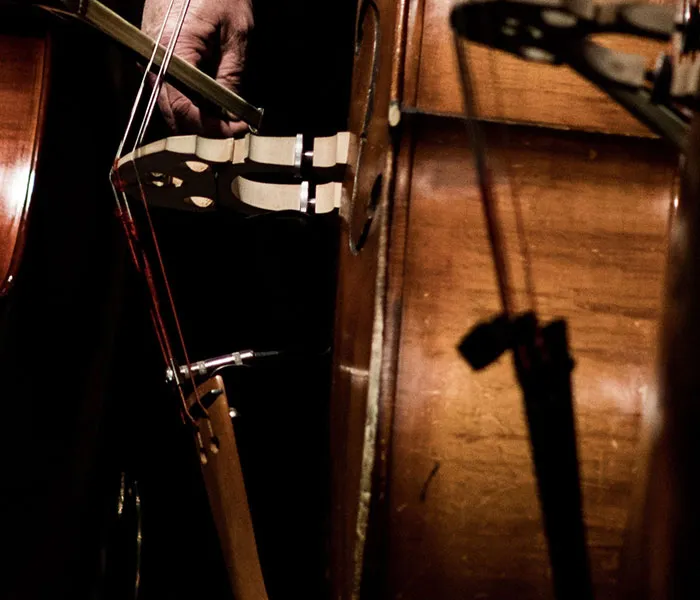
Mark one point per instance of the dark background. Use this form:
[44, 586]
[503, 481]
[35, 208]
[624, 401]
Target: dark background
[82, 378]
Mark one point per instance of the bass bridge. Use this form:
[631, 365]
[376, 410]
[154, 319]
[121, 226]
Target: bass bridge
[251, 174]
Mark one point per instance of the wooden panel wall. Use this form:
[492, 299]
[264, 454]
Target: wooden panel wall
[595, 211]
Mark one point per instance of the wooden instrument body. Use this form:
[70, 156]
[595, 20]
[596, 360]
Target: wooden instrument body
[660, 562]
[454, 506]
[228, 501]
[24, 82]
[60, 336]
[58, 321]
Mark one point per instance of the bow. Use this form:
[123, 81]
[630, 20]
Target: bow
[252, 174]
[203, 403]
[560, 33]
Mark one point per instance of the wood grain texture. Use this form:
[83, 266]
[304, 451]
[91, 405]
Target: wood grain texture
[463, 514]
[223, 480]
[358, 299]
[23, 88]
[509, 88]
[660, 562]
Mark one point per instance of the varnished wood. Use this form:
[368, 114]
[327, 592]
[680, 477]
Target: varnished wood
[463, 513]
[454, 506]
[662, 545]
[228, 501]
[24, 72]
[507, 87]
[360, 301]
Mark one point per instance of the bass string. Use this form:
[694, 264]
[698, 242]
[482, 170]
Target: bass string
[138, 256]
[138, 252]
[142, 86]
[131, 238]
[157, 88]
[160, 77]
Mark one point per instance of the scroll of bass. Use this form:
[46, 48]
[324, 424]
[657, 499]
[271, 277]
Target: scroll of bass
[434, 494]
[24, 79]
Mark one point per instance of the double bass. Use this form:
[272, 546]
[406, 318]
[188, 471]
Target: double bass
[392, 407]
[72, 474]
[442, 497]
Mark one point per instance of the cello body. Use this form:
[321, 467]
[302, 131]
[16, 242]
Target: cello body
[451, 508]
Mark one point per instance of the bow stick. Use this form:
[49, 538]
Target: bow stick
[558, 32]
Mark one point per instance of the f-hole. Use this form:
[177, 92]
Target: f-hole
[368, 10]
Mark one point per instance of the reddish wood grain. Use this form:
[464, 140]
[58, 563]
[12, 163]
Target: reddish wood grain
[23, 86]
[357, 298]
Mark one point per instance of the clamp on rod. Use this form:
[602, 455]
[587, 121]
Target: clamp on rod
[206, 368]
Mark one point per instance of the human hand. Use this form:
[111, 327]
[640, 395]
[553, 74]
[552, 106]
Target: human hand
[215, 33]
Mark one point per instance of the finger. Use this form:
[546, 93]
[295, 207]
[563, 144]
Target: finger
[184, 117]
[190, 46]
[209, 22]
[237, 23]
[235, 29]
[229, 75]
